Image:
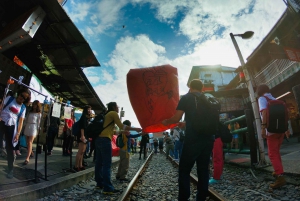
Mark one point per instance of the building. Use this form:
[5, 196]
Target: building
[43, 37]
[214, 77]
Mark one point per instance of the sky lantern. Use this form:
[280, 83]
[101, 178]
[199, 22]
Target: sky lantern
[115, 149]
[154, 95]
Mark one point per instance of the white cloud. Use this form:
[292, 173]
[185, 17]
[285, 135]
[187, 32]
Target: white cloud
[79, 11]
[202, 23]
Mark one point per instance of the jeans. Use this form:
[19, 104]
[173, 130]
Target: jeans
[178, 149]
[103, 163]
[200, 153]
[9, 133]
[52, 132]
[218, 158]
[143, 149]
[274, 142]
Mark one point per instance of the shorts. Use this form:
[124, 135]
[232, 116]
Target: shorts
[235, 136]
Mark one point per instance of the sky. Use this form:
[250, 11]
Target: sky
[129, 34]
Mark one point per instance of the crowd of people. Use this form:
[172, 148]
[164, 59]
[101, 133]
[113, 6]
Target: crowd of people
[183, 143]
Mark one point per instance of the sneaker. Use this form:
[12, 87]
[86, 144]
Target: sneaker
[111, 192]
[213, 181]
[10, 174]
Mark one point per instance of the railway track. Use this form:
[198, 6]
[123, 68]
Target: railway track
[156, 179]
[132, 191]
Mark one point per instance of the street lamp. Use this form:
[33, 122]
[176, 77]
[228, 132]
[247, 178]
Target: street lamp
[248, 35]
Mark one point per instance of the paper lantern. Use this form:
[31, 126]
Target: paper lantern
[242, 77]
[154, 95]
[115, 149]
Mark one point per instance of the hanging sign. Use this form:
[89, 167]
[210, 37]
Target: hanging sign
[56, 110]
[67, 112]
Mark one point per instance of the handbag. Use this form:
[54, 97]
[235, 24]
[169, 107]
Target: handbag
[23, 142]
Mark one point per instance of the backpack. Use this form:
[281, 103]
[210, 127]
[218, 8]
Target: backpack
[181, 135]
[224, 133]
[75, 129]
[277, 116]
[94, 129]
[206, 117]
[120, 141]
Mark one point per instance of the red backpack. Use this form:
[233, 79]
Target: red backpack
[277, 116]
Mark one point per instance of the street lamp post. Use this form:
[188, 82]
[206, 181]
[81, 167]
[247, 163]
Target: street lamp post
[248, 35]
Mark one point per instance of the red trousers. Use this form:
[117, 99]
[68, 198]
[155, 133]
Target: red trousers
[218, 160]
[274, 142]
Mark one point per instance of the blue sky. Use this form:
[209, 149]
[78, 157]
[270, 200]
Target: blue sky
[182, 33]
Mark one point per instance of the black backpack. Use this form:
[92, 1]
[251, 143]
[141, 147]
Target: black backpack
[277, 116]
[206, 117]
[120, 141]
[94, 129]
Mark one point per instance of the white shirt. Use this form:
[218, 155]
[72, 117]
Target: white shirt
[10, 113]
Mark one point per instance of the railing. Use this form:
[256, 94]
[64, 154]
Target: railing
[251, 136]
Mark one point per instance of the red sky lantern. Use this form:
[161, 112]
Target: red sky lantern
[115, 149]
[242, 76]
[154, 95]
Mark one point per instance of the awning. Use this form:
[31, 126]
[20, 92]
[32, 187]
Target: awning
[284, 34]
[64, 50]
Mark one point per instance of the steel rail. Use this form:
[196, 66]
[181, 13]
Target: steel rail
[212, 193]
[126, 193]
[132, 183]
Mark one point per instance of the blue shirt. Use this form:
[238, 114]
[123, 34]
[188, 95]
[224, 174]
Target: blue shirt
[129, 141]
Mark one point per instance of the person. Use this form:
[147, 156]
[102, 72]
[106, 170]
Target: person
[169, 145]
[178, 143]
[134, 146]
[32, 127]
[151, 146]
[197, 147]
[124, 154]
[67, 135]
[82, 137]
[12, 117]
[161, 145]
[274, 140]
[104, 149]
[235, 137]
[218, 160]
[143, 146]
[52, 131]
[155, 143]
